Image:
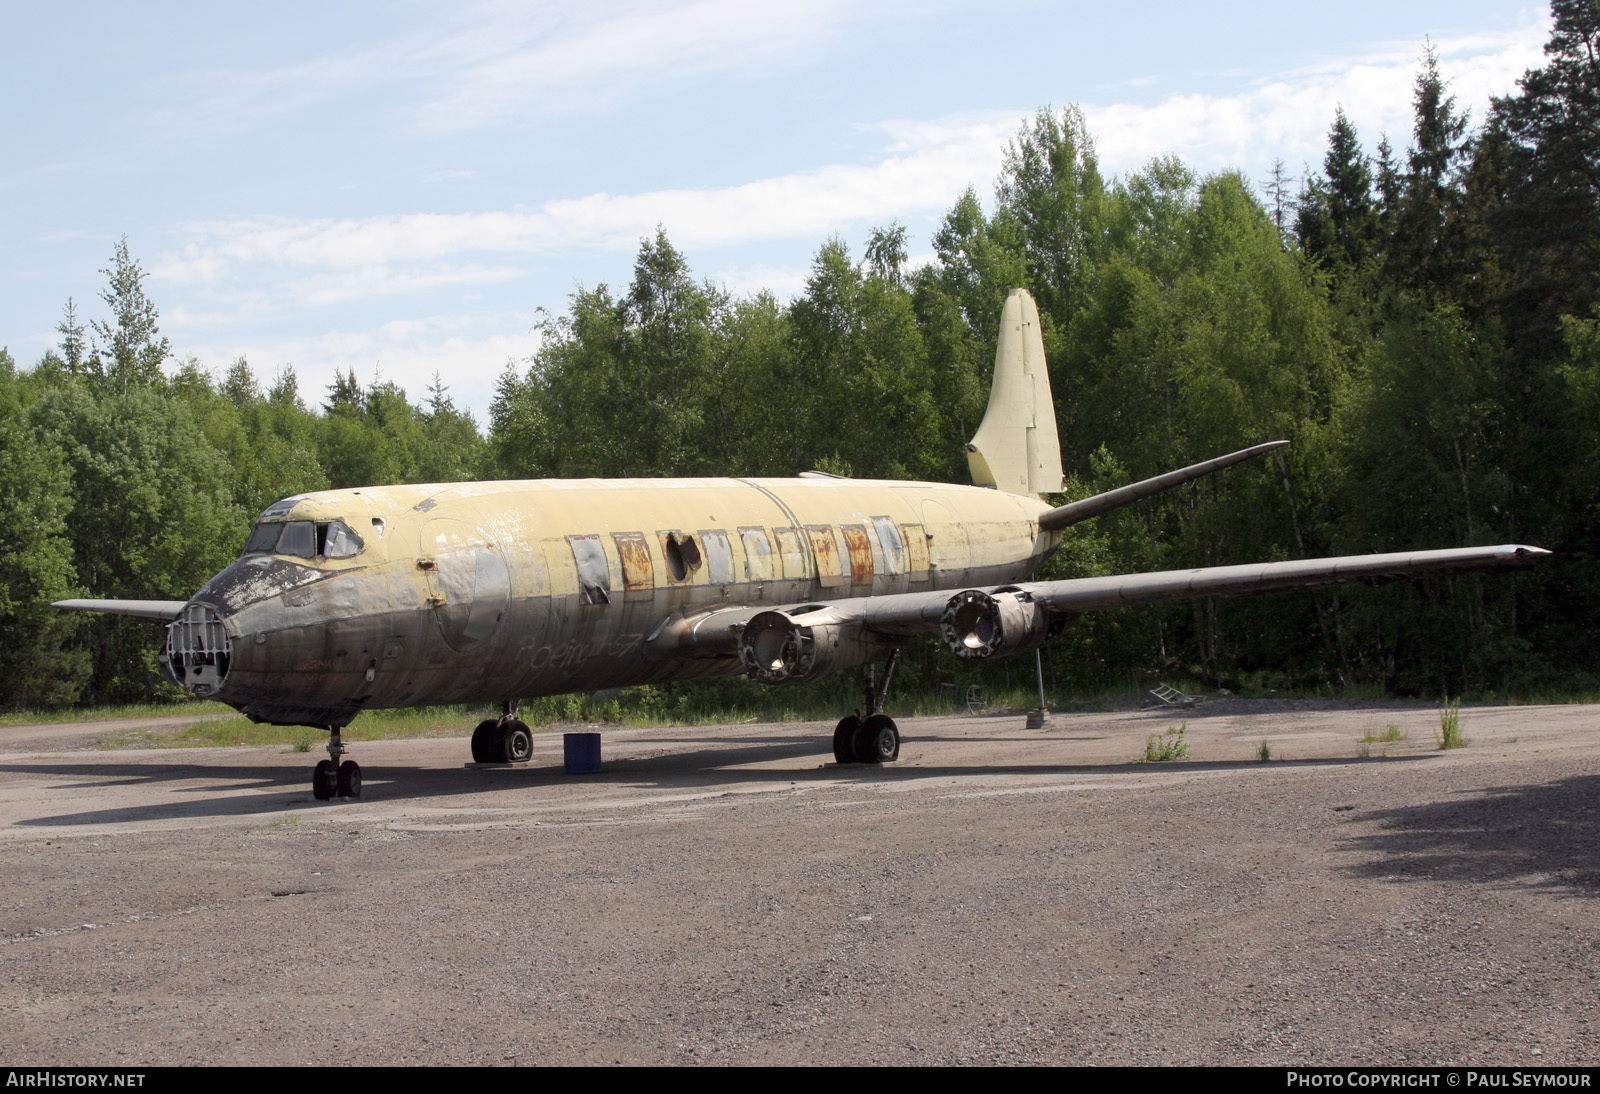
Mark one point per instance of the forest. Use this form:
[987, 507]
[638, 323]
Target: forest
[1423, 324]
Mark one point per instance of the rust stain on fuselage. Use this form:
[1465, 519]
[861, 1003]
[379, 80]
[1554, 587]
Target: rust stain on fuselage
[502, 613]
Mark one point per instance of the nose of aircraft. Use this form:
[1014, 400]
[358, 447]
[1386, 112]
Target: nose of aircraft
[198, 650]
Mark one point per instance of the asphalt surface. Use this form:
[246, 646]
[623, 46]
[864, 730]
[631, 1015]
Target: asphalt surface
[728, 895]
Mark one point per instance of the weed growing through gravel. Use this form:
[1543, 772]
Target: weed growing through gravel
[1167, 746]
[1391, 733]
[1264, 753]
[1450, 724]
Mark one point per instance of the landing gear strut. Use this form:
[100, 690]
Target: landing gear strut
[873, 739]
[333, 779]
[503, 740]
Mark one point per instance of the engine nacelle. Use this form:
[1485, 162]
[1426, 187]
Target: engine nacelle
[780, 648]
[976, 624]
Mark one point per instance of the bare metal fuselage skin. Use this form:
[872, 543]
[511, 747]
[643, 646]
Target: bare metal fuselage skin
[495, 591]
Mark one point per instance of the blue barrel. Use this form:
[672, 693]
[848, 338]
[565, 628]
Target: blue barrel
[582, 753]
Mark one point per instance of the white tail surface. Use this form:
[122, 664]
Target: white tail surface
[1016, 448]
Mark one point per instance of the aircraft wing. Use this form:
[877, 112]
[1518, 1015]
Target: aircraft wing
[722, 632]
[146, 609]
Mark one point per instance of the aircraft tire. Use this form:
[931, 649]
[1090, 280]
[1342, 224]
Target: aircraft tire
[844, 739]
[516, 743]
[483, 741]
[349, 784]
[324, 781]
[877, 741]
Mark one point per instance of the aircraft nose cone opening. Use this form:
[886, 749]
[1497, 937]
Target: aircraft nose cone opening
[198, 650]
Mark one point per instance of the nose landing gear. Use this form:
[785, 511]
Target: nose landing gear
[332, 779]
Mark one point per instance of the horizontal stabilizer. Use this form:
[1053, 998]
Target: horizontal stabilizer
[1064, 515]
[145, 609]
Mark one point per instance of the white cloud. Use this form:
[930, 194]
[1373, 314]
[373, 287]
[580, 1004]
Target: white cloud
[1289, 114]
[520, 56]
[924, 166]
[492, 64]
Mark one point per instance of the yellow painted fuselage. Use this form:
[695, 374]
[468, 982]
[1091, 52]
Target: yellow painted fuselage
[504, 590]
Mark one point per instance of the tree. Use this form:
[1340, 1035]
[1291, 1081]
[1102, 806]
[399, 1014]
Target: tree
[1549, 227]
[1280, 199]
[1337, 222]
[152, 516]
[1050, 198]
[38, 666]
[1425, 253]
[128, 353]
[72, 339]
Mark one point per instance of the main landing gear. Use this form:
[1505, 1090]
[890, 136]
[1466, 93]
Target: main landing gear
[503, 740]
[873, 739]
[333, 779]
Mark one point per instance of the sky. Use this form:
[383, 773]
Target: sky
[406, 189]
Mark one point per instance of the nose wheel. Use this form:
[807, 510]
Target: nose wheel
[333, 779]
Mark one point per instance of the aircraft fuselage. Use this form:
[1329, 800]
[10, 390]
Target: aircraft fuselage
[496, 591]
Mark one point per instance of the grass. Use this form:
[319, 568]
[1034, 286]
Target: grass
[1170, 745]
[1264, 753]
[1450, 724]
[1391, 733]
[111, 713]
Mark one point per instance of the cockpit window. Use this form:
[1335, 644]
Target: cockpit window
[339, 540]
[263, 538]
[304, 539]
[299, 538]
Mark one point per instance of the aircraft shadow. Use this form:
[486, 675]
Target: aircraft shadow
[706, 768]
[1538, 837]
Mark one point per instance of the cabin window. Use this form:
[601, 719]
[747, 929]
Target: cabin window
[825, 549]
[594, 572]
[759, 560]
[792, 552]
[894, 549]
[638, 572]
[719, 557]
[855, 539]
[681, 553]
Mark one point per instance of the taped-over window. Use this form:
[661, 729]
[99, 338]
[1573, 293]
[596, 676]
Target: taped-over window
[594, 572]
[855, 539]
[638, 572]
[758, 557]
[825, 549]
[793, 553]
[894, 548]
[719, 557]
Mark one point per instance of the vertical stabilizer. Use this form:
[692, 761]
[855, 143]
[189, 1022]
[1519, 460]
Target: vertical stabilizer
[1016, 448]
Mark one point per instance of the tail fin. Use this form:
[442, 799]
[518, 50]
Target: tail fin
[1016, 448]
